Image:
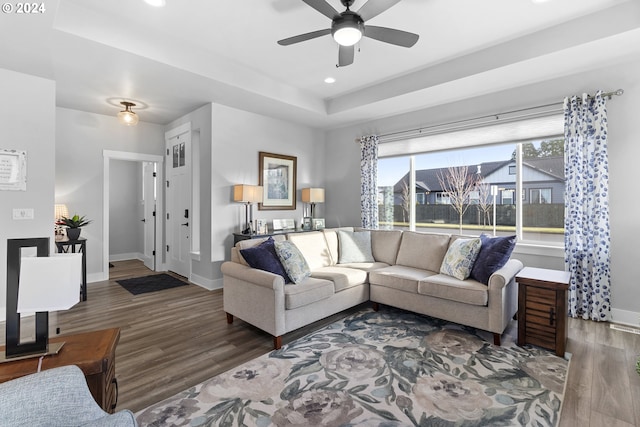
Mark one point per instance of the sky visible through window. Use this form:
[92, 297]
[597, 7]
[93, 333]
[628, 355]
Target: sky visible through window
[392, 169]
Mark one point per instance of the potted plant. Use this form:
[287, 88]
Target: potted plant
[73, 225]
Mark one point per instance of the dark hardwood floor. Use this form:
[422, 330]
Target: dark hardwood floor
[176, 338]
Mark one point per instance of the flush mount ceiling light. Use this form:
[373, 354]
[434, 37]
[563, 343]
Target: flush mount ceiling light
[329, 80]
[126, 116]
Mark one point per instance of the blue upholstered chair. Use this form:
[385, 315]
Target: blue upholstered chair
[55, 398]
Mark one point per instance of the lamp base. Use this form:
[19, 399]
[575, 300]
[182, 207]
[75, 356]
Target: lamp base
[52, 348]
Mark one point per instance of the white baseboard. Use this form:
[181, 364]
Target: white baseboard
[209, 284]
[97, 277]
[625, 317]
[127, 256]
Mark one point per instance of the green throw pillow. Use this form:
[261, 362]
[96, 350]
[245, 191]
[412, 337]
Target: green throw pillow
[459, 259]
[355, 246]
[292, 260]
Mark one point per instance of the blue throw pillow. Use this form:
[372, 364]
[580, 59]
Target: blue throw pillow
[494, 254]
[264, 257]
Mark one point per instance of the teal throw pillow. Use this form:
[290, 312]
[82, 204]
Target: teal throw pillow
[355, 246]
[459, 259]
[292, 260]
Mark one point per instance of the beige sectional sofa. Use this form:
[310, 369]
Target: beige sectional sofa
[403, 273]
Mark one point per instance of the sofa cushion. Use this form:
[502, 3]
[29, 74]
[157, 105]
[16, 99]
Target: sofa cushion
[354, 246]
[460, 257]
[422, 250]
[264, 257]
[292, 260]
[494, 254]
[366, 266]
[313, 247]
[385, 244]
[342, 277]
[307, 292]
[399, 277]
[466, 291]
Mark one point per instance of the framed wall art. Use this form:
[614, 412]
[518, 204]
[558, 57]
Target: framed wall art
[278, 179]
[13, 170]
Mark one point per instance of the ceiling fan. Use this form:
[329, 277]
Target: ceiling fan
[348, 27]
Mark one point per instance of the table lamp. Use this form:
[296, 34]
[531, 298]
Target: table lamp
[313, 196]
[247, 194]
[37, 285]
[60, 212]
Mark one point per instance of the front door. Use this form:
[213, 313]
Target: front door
[178, 215]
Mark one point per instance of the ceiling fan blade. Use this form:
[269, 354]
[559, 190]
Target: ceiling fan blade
[304, 37]
[374, 8]
[345, 55]
[323, 7]
[390, 35]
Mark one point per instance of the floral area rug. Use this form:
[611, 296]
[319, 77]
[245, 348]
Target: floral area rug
[387, 368]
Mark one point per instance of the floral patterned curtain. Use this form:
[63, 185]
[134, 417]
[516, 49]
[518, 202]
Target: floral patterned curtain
[369, 181]
[587, 237]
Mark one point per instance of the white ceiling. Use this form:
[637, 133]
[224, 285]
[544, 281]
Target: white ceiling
[174, 59]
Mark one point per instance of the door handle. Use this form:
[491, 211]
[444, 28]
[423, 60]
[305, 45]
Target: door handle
[186, 223]
[143, 220]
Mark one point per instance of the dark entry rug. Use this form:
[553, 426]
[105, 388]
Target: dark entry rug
[153, 283]
[389, 368]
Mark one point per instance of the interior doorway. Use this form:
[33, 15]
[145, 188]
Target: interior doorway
[143, 205]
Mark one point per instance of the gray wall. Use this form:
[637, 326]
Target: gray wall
[27, 120]
[343, 182]
[81, 138]
[126, 230]
[230, 140]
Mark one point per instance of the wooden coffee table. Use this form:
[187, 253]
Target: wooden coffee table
[93, 352]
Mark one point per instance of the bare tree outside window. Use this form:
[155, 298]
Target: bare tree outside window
[485, 203]
[458, 184]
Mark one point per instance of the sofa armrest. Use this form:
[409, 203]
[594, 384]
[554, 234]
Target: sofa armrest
[253, 275]
[58, 396]
[503, 276]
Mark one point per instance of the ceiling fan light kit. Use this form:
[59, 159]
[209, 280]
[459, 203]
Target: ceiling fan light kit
[348, 27]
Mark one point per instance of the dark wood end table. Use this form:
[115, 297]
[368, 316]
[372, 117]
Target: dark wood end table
[93, 352]
[64, 246]
[542, 308]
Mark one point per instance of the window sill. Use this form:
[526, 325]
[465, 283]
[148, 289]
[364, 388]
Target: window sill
[532, 248]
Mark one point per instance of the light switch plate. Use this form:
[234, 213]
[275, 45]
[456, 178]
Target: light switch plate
[23, 213]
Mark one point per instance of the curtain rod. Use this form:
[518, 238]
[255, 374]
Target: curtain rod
[496, 116]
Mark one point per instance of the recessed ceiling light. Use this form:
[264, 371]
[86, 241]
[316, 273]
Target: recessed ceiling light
[156, 3]
[329, 80]
[539, 1]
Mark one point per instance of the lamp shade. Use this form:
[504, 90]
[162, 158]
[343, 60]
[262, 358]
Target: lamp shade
[61, 211]
[49, 283]
[247, 193]
[313, 195]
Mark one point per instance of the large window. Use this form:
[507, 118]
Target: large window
[512, 188]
